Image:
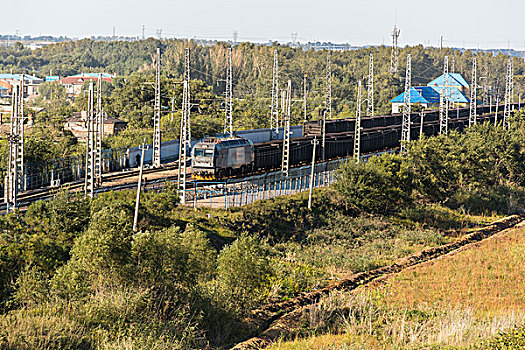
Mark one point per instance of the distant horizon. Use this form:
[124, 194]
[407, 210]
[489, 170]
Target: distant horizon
[463, 24]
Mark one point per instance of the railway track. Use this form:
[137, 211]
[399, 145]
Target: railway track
[343, 138]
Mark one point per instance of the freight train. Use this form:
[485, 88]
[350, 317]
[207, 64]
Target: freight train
[232, 156]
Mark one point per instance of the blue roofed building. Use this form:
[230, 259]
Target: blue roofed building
[31, 83]
[452, 84]
[424, 96]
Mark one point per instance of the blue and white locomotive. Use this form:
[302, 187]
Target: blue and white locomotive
[214, 158]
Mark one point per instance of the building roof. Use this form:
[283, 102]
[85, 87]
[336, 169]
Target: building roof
[92, 75]
[79, 80]
[457, 96]
[454, 79]
[419, 94]
[77, 118]
[27, 77]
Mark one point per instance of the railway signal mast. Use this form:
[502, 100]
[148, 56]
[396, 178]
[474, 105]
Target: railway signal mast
[285, 166]
[157, 113]
[357, 134]
[228, 122]
[89, 179]
[370, 105]
[185, 129]
[473, 95]
[443, 101]
[274, 116]
[394, 57]
[405, 126]
[508, 94]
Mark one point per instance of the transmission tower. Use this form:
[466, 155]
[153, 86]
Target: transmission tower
[156, 115]
[285, 166]
[370, 105]
[405, 127]
[89, 184]
[508, 94]
[99, 132]
[395, 51]
[274, 116]
[228, 121]
[357, 135]
[473, 95]
[328, 92]
[443, 101]
[185, 129]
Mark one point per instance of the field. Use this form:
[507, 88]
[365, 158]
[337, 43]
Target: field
[473, 298]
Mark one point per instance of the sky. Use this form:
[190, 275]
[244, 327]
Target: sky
[462, 23]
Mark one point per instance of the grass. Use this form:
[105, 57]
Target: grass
[471, 299]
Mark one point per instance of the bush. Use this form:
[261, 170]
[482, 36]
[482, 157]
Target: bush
[244, 270]
[382, 185]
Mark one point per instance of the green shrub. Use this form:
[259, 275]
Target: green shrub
[244, 270]
[381, 185]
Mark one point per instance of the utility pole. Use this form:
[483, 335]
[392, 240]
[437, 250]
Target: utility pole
[139, 187]
[405, 127]
[228, 121]
[311, 187]
[274, 116]
[157, 114]
[357, 133]
[99, 133]
[370, 105]
[441, 42]
[185, 129]
[143, 32]
[443, 101]
[473, 95]
[394, 58]
[89, 180]
[328, 93]
[305, 94]
[508, 94]
[285, 166]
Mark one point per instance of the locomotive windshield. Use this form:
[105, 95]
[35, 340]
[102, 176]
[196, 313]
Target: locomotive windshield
[201, 152]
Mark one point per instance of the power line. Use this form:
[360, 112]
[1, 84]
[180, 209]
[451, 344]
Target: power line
[357, 134]
[508, 93]
[443, 100]
[328, 92]
[274, 116]
[185, 129]
[370, 105]
[473, 94]
[394, 57]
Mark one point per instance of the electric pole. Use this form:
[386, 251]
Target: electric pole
[139, 187]
[274, 116]
[305, 94]
[394, 57]
[311, 187]
[99, 133]
[405, 127]
[143, 32]
[185, 129]
[473, 95]
[443, 101]
[370, 105]
[357, 134]
[508, 94]
[421, 130]
[328, 93]
[285, 166]
[89, 180]
[157, 114]
[228, 121]
[15, 172]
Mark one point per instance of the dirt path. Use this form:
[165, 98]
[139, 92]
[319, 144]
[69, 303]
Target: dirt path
[277, 320]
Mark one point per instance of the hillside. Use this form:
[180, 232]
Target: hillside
[471, 297]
